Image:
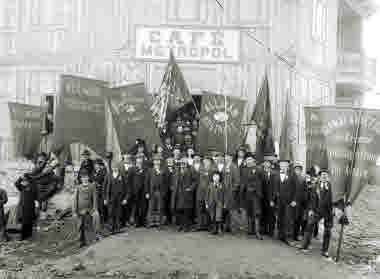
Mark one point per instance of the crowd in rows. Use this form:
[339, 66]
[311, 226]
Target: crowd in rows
[197, 193]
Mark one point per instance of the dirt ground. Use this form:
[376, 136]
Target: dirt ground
[143, 253]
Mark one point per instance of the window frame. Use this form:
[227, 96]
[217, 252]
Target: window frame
[320, 21]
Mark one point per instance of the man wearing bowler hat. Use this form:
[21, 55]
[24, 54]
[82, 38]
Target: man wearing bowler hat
[127, 171]
[301, 190]
[286, 201]
[270, 182]
[86, 164]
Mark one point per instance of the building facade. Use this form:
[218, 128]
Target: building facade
[295, 41]
[356, 73]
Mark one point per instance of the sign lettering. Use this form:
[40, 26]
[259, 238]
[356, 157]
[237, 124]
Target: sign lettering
[204, 45]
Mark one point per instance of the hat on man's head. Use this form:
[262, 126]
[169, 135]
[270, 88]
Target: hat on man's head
[242, 148]
[284, 162]
[250, 155]
[196, 154]
[84, 172]
[157, 157]
[128, 157]
[268, 157]
[42, 154]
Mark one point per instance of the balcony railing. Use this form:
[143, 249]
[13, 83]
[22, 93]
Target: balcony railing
[355, 67]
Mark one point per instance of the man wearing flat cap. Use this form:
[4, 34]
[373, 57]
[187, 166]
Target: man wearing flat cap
[99, 177]
[286, 192]
[321, 208]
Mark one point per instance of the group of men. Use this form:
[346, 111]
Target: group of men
[198, 193]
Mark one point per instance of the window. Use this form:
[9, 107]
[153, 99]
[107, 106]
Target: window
[319, 31]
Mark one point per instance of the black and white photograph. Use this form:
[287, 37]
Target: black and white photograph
[189, 139]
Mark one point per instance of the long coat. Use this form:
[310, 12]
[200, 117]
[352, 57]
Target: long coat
[128, 176]
[28, 196]
[253, 189]
[114, 192]
[270, 184]
[215, 200]
[204, 181]
[3, 201]
[286, 190]
[184, 186]
[231, 182]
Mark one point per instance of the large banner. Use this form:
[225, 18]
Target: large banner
[132, 116]
[80, 114]
[26, 121]
[347, 141]
[221, 122]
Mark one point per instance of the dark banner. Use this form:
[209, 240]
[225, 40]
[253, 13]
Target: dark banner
[80, 114]
[215, 114]
[347, 141]
[132, 116]
[26, 121]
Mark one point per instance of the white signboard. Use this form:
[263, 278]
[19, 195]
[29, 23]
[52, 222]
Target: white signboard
[188, 45]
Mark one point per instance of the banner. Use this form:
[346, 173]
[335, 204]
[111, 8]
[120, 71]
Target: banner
[132, 116]
[26, 121]
[344, 139]
[214, 115]
[80, 114]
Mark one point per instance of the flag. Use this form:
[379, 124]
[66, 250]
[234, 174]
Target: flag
[348, 141]
[80, 114]
[25, 128]
[213, 118]
[263, 119]
[131, 115]
[286, 148]
[173, 93]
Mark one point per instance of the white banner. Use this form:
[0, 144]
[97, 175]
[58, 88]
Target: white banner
[188, 45]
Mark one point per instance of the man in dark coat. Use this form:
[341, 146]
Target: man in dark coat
[3, 201]
[203, 184]
[99, 177]
[127, 171]
[87, 164]
[231, 182]
[270, 181]
[141, 204]
[320, 207]
[114, 192]
[252, 191]
[170, 176]
[286, 201]
[300, 200]
[156, 189]
[27, 205]
[196, 168]
[183, 195]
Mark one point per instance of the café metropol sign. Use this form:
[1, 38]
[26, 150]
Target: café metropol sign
[201, 45]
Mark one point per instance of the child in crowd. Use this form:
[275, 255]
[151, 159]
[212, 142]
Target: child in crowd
[85, 208]
[215, 201]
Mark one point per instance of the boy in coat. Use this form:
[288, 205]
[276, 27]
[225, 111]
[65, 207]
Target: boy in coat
[141, 204]
[215, 202]
[85, 208]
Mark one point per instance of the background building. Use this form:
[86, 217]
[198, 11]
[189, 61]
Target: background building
[41, 39]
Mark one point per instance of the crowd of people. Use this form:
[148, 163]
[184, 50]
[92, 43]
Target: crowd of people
[173, 185]
[200, 193]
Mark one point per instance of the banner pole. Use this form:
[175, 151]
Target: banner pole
[341, 233]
